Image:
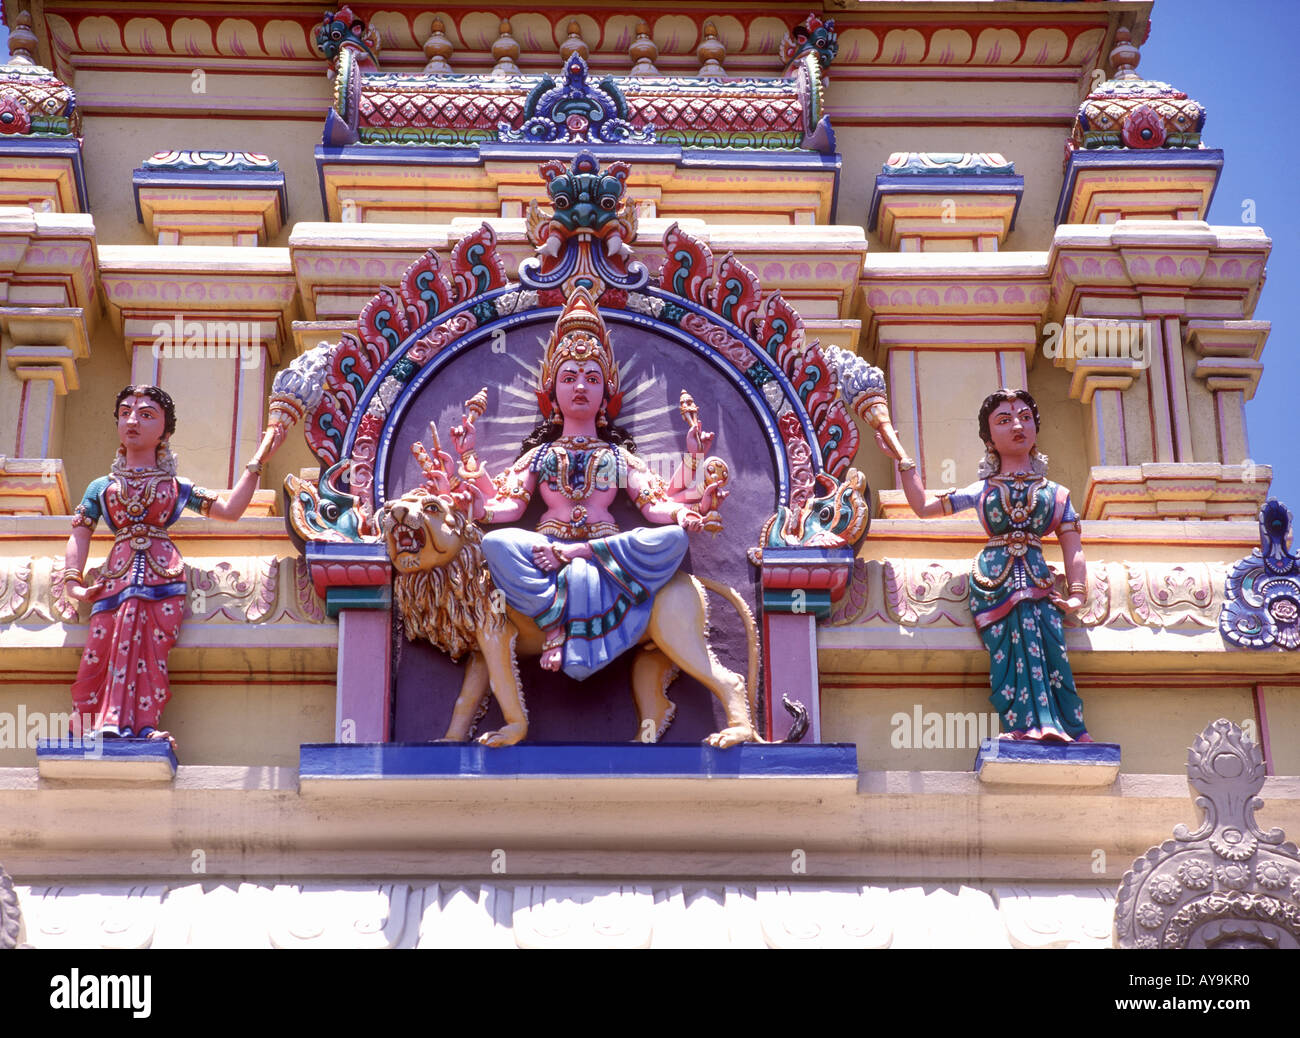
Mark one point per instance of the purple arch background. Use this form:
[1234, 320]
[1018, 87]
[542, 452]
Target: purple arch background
[654, 369]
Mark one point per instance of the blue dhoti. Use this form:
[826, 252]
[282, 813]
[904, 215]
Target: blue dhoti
[604, 602]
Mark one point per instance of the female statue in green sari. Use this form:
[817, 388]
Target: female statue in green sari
[1017, 612]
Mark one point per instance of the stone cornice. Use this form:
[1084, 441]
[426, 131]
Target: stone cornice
[148, 283]
[974, 37]
[1181, 259]
[934, 824]
[337, 266]
[935, 299]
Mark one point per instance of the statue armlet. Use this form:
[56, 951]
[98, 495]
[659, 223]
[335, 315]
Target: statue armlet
[513, 481]
[653, 491]
[201, 501]
[1068, 526]
[80, 518]
[945, 500]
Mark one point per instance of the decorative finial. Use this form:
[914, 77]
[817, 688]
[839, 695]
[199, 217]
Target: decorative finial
[505, 50]
[22, 41]
[342, 29]
[574, 44]
[712, 53]
[643, 52]
[811, 36]
[1124, 56]
[437, 48]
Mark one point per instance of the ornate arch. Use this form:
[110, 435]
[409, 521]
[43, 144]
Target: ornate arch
[353, 393]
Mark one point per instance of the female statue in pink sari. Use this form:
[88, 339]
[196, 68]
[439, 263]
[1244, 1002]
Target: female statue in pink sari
[138, 594]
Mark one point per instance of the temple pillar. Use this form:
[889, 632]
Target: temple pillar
[210, 342]
[1167, 385]
[1100, 375]
[356, 582]
[799, 587]
[1171, 358]
[47, 279]
[363, 703]
[970, 361]
[1229, 369]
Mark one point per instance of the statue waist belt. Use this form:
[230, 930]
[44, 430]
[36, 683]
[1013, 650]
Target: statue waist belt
[1017, 542]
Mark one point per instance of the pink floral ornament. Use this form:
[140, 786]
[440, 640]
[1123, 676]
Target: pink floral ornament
[1143, 128]
[14, 117]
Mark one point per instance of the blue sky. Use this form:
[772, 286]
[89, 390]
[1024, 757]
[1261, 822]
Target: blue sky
[1240, 61]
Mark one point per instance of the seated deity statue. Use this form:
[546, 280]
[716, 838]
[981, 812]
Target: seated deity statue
[587, 584]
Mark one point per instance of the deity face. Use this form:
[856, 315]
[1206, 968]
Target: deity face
[579, 389]
[1012, 428]
[140, 422]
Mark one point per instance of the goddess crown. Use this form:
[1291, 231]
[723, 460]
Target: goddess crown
[580, 335]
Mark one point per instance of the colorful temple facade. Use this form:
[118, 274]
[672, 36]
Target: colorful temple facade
[444, 683]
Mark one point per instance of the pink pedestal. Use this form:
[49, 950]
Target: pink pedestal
[790, 644]
[364, 703]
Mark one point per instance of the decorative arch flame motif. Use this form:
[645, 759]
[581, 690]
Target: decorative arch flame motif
[583, 252]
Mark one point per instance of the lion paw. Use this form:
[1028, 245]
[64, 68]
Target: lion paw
[507, 735]
[732, 736]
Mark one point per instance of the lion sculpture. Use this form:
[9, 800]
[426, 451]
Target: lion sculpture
[445, 594]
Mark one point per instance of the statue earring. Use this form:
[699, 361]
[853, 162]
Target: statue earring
[991, 463]
[602, 420]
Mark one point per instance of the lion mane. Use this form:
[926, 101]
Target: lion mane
[449, 605]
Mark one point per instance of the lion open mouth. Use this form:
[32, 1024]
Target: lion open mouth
[408, 539]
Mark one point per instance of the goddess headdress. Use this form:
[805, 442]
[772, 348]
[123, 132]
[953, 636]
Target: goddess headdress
[580, 335]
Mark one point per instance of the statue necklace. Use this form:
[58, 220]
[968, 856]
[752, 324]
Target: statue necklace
[595, 458]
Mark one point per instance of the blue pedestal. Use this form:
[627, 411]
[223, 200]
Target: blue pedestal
[148, 760]
[1022, 762]
[323, 761]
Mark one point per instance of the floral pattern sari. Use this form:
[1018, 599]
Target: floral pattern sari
[122, 682]
[1010, 588]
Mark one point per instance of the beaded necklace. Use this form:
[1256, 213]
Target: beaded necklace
[592, 454]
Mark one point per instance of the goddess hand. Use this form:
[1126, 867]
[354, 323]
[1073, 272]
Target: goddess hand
[549, 558]
[271, 440]
[690, 520]
[885, 448]
[699, 440]
[463, 436]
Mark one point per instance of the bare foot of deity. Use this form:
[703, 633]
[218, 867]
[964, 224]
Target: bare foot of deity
[552, 658]
[552, 649]
[507, 735]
